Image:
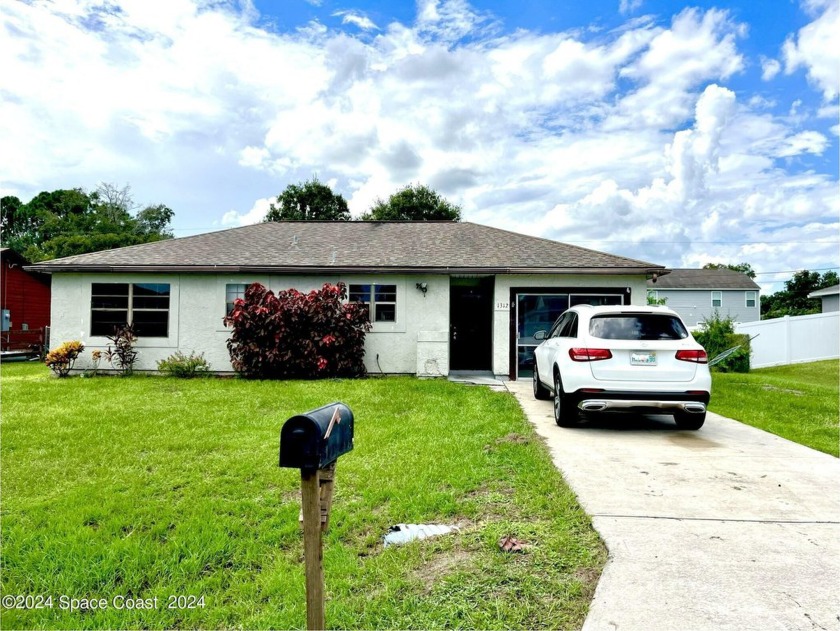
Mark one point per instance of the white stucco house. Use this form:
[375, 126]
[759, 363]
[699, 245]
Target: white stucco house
[443, 296]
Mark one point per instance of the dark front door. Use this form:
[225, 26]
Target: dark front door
[470, 324]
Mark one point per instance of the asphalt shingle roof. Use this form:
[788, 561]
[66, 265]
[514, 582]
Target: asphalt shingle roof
[704, 279]
[291, 246]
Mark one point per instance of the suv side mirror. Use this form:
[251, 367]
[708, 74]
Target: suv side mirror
[540, 335]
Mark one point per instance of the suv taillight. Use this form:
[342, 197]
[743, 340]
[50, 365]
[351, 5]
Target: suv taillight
[589, 354]
[698, 357]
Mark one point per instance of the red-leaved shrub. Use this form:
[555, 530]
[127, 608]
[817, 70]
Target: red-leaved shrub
[297, 335]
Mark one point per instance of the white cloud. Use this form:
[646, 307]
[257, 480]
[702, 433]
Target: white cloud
[805, 142]
[815, 48]
[629, 6]
[233, 219]
[769, 68]
[624, 141]
[356, 19]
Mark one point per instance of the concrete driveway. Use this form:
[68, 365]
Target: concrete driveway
[728, 527]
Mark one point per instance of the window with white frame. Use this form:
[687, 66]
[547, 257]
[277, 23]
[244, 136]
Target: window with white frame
[145, 305]
[717, 299]
[381, 301]
[751, 299]
[232, 292]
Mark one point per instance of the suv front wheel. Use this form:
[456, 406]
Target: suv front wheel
[564, 414]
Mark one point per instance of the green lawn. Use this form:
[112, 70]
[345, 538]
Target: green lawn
[149, 487]
[798, 402]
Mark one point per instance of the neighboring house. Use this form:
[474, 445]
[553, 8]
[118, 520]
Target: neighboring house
[25, 298]
[443, 296]
[696, 294]
[830, 297]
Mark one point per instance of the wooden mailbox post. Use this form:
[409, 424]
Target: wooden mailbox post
[312, 442]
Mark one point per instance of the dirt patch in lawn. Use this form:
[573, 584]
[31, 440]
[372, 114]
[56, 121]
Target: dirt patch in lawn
[442, 565]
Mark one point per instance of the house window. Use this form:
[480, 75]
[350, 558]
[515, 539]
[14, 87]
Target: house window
[381, 301]
[717, 299]
[751, 298]
[145, 305]
[232, 292]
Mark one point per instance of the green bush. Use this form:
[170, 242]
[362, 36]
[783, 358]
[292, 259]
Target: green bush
[717, 335]
[184, 366]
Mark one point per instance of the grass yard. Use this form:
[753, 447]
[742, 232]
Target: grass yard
[155, 487]
[798, 402]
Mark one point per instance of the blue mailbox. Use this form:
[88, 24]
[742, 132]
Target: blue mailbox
[315, 439]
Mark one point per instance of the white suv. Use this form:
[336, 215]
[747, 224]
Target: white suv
[622, 358]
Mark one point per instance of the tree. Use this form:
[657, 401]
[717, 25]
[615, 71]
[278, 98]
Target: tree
[744, 268]
[115, 203]
[153, 221]
[793, 299]
[65, 222]
[309, 201]
[414, 202]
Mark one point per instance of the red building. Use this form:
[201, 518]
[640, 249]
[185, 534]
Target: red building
[25, 298]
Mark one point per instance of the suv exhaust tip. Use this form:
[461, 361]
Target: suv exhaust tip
[593, 406]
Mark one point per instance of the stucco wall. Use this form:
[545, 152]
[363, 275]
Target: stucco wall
[197, 306]
[417, 343]
[71, 316]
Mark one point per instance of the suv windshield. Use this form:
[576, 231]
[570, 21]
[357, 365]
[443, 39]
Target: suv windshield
[637, 326]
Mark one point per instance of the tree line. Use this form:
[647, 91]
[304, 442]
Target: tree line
[793, 299]
[314, 200]
[68, 222]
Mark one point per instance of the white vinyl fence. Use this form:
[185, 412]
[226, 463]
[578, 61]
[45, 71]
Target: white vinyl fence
[793, 340]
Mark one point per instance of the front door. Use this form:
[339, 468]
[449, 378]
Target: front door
[471, 324]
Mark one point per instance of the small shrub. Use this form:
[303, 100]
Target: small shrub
[184, 366]
[297, 336]
[122, 355]
[61, 359]
[717, 335]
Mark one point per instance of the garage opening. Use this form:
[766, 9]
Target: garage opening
[536, 310]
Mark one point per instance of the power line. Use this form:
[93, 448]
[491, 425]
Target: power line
[794, 271]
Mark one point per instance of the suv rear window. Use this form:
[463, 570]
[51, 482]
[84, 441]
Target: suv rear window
[637, 326]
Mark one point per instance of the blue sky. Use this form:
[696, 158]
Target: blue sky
[677, 133]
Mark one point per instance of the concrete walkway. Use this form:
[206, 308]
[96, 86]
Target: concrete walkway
[728, 527]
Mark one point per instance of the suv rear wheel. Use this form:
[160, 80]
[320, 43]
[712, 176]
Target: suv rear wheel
[564, 414]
